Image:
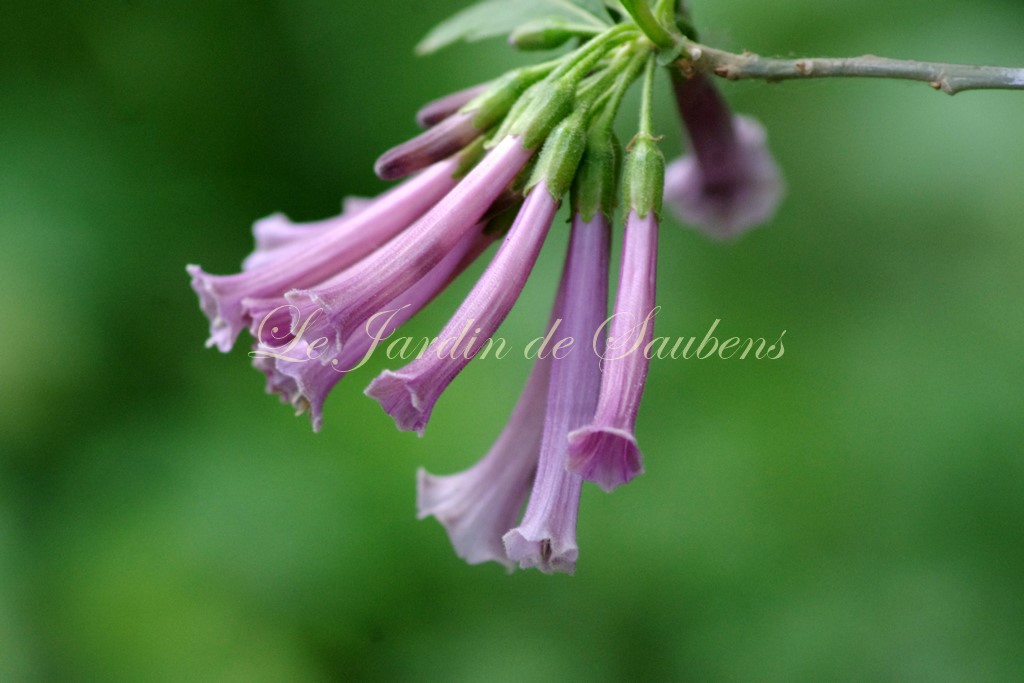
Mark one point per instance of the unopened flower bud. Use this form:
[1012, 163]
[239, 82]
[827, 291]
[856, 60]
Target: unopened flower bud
[545, 34]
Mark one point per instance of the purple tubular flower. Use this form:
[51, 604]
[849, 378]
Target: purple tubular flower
[477, 506]
[321, 256]
[434, 112]
[304, 372]
[605, 451]
[731, 182]
[430, 146]
[546, 537]
[409, 394]
[366, 288]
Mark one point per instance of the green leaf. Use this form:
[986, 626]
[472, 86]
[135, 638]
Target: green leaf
[499, 17]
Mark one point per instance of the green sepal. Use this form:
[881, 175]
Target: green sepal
[522, 181]
[491, 106]
[520, 106]
[549, 103]
[596, 186]
[644, 176]
[561, 155]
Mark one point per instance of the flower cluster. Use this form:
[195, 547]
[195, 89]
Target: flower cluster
[494, 165]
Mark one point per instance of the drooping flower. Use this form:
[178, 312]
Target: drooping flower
[477, 506]
[730, 182]
[546, 536]
[605, 450]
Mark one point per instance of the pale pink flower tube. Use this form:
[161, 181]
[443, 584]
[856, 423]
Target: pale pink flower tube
[477, 506]
[546, 536]
[605, 451]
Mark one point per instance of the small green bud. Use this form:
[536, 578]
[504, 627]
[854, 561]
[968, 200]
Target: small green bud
[644, 176]
[595, 188]
[561, 155]
[546, 34]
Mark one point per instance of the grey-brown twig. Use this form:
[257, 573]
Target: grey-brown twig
[949, 78]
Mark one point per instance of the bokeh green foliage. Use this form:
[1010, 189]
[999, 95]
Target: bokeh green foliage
[853, 511]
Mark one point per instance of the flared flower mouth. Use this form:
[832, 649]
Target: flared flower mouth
[607, 456]
[726, 208]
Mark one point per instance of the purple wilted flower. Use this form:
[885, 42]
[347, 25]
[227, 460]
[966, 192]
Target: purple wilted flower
[409, 394]
[730, 182]
[321, 256]
[477, 506]
[546, 536]
[605, 450]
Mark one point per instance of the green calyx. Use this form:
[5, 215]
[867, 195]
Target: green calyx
[554, 98]
[547, 104]
[491, 106]
[644, 176]
[561, 155]
[568, 113]
[544, 104]
[596, 185]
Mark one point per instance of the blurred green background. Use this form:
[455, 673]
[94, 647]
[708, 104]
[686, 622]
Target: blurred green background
[853, 511]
